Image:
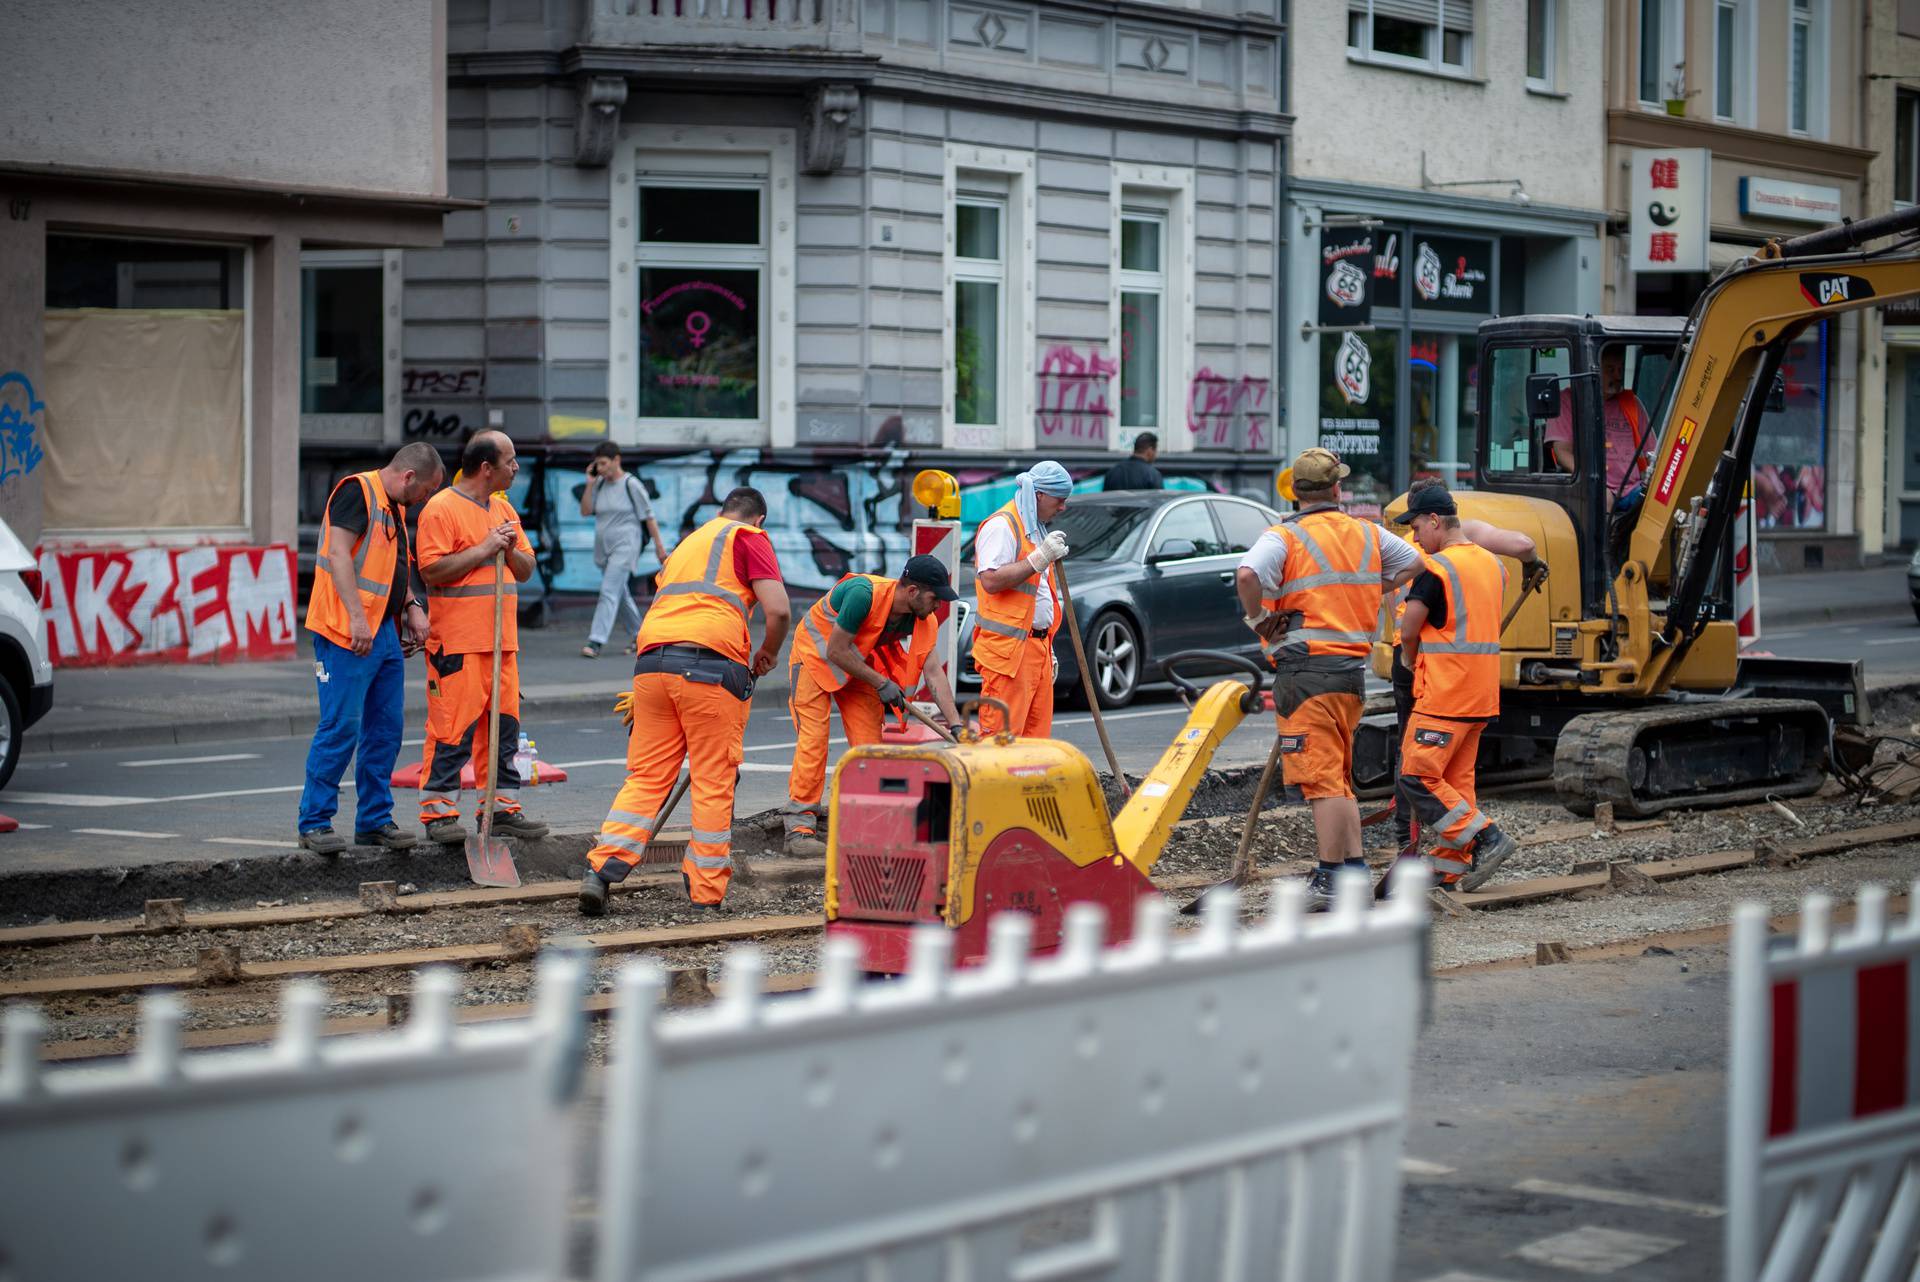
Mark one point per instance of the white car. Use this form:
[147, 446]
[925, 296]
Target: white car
[26, 675]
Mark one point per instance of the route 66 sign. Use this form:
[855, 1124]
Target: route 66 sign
[1353, 370]
[1426, 272]
[1346, 285]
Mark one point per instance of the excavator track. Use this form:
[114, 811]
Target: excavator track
[1671, 756]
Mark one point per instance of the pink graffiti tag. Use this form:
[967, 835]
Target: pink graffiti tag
[1072, 402]
[1217, 405]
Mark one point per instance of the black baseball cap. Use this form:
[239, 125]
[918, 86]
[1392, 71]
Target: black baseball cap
[1434, 500]
[929, 573]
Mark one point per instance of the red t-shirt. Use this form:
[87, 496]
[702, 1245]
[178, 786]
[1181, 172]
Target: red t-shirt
[753, 556]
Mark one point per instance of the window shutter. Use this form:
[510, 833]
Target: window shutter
[1459, 15]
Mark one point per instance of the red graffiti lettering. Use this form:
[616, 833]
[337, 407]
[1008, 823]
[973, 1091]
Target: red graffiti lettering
[1072, 401]
[1229, 412]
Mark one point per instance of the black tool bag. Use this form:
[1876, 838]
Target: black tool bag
[700, 666]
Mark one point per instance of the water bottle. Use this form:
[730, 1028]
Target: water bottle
[523, 760]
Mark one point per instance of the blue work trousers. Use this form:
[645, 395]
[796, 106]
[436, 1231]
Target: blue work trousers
[362, 713]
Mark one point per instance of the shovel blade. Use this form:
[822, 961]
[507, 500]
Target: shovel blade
[490, 862]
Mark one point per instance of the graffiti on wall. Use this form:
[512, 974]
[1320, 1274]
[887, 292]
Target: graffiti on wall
[108, 606]
[20, 413]
[426, 423]
[1225, 412]
[427, 383]
[1072, 407]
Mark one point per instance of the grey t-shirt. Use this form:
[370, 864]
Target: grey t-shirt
[620, 512]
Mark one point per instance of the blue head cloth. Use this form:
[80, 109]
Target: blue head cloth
[1044, 477]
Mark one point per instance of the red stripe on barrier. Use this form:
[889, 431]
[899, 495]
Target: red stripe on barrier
[1880, 1039]
[1786, 1058]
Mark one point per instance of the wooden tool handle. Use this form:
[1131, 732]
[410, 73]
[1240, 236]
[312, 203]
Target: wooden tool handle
[493, 703]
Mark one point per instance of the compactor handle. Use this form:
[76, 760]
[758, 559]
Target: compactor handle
[1190, 691]
[974, 705]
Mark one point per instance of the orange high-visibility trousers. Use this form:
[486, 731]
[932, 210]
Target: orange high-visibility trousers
[1316, 745]
[458, 687]
[1028, 693]
[677, 720]
[862, 716]
[1436, 772]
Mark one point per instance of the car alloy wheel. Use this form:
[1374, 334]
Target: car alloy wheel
[1115, 660]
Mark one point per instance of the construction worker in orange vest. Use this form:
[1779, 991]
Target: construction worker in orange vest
[462, 529]
[1013, 629]
[1501, 542]
[362, 599]
[692, 691]
[862, 647]
[1450, 633]
[1310, 588]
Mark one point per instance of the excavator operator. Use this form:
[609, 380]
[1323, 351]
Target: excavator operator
[1310, 588]
[1628, 436]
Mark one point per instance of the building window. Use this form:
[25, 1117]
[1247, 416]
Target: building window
[1732, 61]
[1542, 51]
[1434, 35]
[701, 262]
[1662, 53]
[1806, 68]
[979, 309]
[1906, 148]
[341, 339]
[145, 359]
[1143, 297]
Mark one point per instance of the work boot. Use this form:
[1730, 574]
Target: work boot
[1320, 890]
[446, 830]
[1490, 850]
[593, 894]
[804, 845]
[322, 841]
[388, 835]
[511, 823]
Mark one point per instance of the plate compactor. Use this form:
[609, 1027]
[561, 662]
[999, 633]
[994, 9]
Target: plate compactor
[956, 832]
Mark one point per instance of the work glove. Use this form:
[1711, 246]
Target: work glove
[1051, 549]
[624, 706]
[892, 696]
[1533, 574]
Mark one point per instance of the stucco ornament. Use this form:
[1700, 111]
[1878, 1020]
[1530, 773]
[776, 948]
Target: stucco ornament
[823, 132]
[599, 123]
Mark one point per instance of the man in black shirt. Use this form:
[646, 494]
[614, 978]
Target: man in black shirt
[1138, 472]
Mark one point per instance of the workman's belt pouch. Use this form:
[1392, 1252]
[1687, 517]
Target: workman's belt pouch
[446, 664]
[700, 666]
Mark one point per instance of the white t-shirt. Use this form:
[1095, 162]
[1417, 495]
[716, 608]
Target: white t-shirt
[994, 547]
[1267, 558]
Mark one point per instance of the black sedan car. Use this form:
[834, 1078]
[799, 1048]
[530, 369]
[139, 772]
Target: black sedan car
[1151, 573]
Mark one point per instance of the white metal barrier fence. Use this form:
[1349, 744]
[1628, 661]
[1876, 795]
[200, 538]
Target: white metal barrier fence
[1823, 1101]
[1227, 1105]
[432, 1152]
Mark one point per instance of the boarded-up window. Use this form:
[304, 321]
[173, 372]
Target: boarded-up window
[145, 357]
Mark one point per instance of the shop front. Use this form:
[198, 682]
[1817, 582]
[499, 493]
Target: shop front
[1385, 376]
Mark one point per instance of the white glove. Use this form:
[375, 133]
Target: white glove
[1052, 548]
[1256, 621]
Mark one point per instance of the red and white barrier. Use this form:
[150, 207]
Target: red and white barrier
[207, 604]
[1823, 1101]
[942, 539]
[1746, 579]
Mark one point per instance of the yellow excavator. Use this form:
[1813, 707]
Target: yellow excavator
[1624, 670]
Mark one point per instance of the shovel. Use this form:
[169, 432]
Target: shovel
[1243, 858]
[1086, 678]
[489, 861]
[929, 722]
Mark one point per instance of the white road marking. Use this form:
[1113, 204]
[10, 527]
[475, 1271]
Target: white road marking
[581, 765]
[1590, 1249]
[1618, 1197]
[30, 827]
[128, 832]
[1454, 1275]
[1782, 636]
[193, 761]
[255, 841]
[1414, 1166]
[27, 798]
[1178, 710]
[765, 767]
[242, 792]
[412, 743]
[1891, 641]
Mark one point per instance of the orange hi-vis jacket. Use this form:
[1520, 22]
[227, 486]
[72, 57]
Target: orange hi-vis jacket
[1005, 622]
[374, 553]
[460, 614]
[700, 599]
[900, 665]
[1458, 672]
[1332, 580]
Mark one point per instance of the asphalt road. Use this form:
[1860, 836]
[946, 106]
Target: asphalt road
[1890, 646]
[117, 807]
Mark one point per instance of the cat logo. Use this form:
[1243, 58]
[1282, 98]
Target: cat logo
[1829, 289]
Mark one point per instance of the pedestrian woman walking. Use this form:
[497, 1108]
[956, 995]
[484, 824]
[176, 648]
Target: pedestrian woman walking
[622, 523]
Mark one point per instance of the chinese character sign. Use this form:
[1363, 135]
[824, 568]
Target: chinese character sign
[1669, 198]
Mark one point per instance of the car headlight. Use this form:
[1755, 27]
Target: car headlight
[1913, 565]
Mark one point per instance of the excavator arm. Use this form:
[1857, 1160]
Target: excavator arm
[1735, 342]
[1141, 828]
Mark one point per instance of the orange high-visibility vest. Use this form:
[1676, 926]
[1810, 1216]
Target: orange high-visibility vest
[1332, 579]
[374, 553]
[700, 599]
[460, 613]
[1458, 673]
[901, 665]
[1005, 620]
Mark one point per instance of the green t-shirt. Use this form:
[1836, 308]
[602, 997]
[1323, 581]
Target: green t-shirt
[851, 600]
